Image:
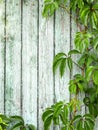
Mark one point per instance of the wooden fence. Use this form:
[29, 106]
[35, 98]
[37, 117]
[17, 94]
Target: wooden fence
[28, 44]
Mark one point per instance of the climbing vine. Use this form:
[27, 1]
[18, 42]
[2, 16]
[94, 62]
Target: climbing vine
[85, 14]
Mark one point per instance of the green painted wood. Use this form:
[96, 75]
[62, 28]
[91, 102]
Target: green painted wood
[13, 57]
[45, 64]
[2, 44]
[29, 61]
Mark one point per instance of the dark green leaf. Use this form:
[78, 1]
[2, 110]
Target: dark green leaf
[47, 122]
[62, 66]
[18, 125]
[31, 127]
[73, 52]
[18, 118]
[70, 62]
[58, 108]
[57, 60]
[89, 72]
[95, 77]
[86, 101]
[47, 113]
[49, 8]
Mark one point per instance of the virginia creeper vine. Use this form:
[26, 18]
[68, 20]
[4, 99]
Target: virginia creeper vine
[85, 14]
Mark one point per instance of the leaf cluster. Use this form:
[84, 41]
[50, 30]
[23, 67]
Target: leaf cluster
[14, 123]
[85, 14]
[59, 115]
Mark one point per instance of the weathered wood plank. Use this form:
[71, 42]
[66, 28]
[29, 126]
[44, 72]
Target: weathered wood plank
[45, 63]
[62, 44]
[76, 70]
[13, 57]
[29, 54]
[2, 44]
[96, 124]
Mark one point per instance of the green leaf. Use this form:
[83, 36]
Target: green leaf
[47, 113]
[95, 41]
[72, 88]
[56, 121]
[92, 109]
[76, 118]
[56, 64]
[86, 59]
[95, 77]
[80, 86]
[63, 128]
[61, 2]
[58, 108]
[76, 3]
[66, 110]
[93, 20]
[17, 126]
[70, 62]
[49, 8]
[47, 122]
[73, 52]
[77, 84]
[82, 59]
[59, 55]
[57, 61]
[84, 14]
[5, 118]
[88, 15]
[31, 127]
[64, 114]
[62, 66]
[86, 101]
[17, 118]
[89, 72]
[84, 122]
[82, 40]
[79, 126]
[90, 1]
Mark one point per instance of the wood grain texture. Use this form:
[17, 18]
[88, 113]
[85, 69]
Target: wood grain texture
[29, 63]
[13, 57]
[2, 44]
[45, 63]
[76, 70]
[31, 43]
[96, 124]
[62, 44]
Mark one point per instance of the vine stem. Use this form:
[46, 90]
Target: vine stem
[82, 68]
[76, 111]
[77, 65]
[68, 11]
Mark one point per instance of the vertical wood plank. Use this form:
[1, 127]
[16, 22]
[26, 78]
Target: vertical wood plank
[76, 70]
[2, 42]
[45, 64]
[29, 69]
[13, 57]
[96, 124]
[62, 44]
